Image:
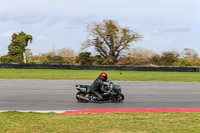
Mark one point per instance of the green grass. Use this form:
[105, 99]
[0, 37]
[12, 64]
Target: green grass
[48, 74]
[17, 122]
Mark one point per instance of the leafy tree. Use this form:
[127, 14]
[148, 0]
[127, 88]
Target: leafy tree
[98, 60]
[166, 58]
[156, 59]
[184, 63]
[17, 48]
[6, 59]
[85, 58]
[190, 58]
[169, 58]
[110, 40]
[55, 59]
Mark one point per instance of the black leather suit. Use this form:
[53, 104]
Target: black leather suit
[97, 88]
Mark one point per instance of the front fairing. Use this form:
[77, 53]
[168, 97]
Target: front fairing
[116, 88]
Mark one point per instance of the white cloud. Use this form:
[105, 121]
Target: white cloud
[179, 28]
[28, 19]
[7, 34]
[172, 29]
[42, 38]
[146, 38]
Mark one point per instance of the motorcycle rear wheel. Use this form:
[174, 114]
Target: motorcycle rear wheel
[118, 99]
[79, 99]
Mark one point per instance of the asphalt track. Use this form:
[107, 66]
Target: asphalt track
[60, 95]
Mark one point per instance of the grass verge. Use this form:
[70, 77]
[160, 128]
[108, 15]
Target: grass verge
[48, 74]
[19, 122]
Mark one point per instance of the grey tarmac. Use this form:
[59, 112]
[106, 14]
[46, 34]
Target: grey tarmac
[41, 95]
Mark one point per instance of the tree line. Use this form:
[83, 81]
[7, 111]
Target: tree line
[146, 57]
[112, 44]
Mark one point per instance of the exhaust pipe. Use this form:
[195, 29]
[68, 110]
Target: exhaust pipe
[81, 97]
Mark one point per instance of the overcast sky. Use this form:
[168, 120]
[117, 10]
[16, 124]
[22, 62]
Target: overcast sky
[54, 24]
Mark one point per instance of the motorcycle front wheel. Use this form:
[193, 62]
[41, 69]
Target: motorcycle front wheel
[80, 99]
[118, 99]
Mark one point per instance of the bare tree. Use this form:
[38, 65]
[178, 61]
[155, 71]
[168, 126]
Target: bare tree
[27, 55]
[110, 40]
[65, 52]
[189, 53]
[141, 53]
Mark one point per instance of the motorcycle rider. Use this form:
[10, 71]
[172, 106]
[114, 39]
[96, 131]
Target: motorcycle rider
[97, 86]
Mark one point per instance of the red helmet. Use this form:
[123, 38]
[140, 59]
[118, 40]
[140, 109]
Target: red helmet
[103, 76]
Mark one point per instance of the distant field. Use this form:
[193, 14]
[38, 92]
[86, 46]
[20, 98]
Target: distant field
[52, 74]
[16, 122]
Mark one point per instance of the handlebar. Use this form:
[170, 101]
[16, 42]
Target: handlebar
[110, 82]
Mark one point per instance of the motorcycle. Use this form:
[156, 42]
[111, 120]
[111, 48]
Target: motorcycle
[84, 94]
